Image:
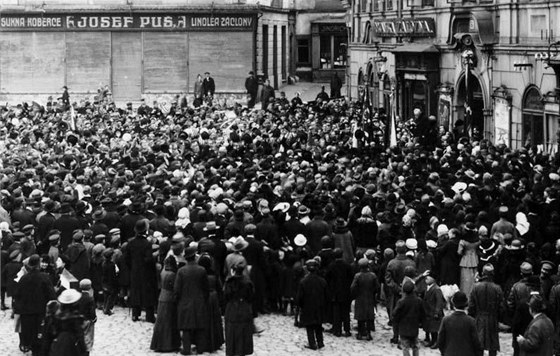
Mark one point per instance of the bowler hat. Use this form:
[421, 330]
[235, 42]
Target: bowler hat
[190, 251]
[142, 226]
[460, 300]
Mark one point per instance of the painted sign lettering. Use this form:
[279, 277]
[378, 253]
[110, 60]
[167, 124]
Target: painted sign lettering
[420, 27]
[116, 22]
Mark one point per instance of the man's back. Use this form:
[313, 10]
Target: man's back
[458, 336]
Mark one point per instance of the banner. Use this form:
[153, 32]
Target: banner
[502, 111]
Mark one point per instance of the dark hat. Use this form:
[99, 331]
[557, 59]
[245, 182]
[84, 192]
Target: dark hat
[50, 206]
[78, 235]
[54, 237]
[108, 252]
[238, 215]
[408, 286]
[142, 226]
[341, 223]
[65, 208]
[190, 251]
[99, 214]
[81, 206]
[136, 207]
[34, 261]
[460, 300]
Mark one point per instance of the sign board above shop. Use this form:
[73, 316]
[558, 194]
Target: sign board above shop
[408, 27]
[128, 22]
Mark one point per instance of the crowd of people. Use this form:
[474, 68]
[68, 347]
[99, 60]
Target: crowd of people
[206, 217]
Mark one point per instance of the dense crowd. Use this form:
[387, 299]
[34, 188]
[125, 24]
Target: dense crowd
[194, 213]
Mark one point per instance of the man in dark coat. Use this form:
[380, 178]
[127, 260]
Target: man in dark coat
[254, 254]
[252, 87]
[267, 94]
[45, 225]
[434, 303]
[22, 214]
[66, 224]
[32, 293]
[128, 221]
[316, 229]
[408, 315]
[485, 305]
[78, 257]
[191, 292]
[449, 259]
[208, 86]
[339, 279]
[143, 276]
[394, 276]
[312, 298]
[518, 296]
[458, 335]
[538, 338]
[336, 84]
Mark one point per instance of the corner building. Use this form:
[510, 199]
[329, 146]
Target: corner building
[490, 64]
[139, 48]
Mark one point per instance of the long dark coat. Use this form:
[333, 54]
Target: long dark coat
[312, 298]
[433, 305]
[33, 292]
[143, 275]
[66, 224]
[538, 337]
[485, 303]
[191, 292]
[458, 336]
[449, 262]
[339, 279]
[79, 260]
[365, 287]
[127, 225]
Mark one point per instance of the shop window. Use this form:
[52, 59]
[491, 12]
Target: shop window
[333, 51]
[533, 119]
[303, 51]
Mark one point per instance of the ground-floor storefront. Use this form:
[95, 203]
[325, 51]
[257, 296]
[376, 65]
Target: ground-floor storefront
[135, 54]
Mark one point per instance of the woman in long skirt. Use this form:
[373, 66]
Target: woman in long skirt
[238, 294]
[215, 336]
[166, 337]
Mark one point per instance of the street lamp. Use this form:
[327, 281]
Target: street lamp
[469, 61]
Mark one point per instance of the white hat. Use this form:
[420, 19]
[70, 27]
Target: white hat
[300, 240]
[69, 296]
[442, 229]
[411, 244]
[459, 187]
[283, 207]
[522, 227]
[431, 243]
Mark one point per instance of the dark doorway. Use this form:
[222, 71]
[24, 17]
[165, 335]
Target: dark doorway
[476, 105]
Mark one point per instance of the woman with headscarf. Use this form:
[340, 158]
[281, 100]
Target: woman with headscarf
[166, 336]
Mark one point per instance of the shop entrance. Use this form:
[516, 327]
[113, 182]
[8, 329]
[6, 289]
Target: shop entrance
[476, 105]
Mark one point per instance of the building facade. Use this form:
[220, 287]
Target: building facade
[140, 48]
[488, 65]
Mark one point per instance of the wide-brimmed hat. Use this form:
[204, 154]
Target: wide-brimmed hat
[411, 244]
[303, 210]
[240, 244]
[69, 296]
[136, 207]
[99, 214]
[300, 240]
[190, 251]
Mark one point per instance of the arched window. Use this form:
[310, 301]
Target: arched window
[360, 77]
[533, 118]
[367, 33]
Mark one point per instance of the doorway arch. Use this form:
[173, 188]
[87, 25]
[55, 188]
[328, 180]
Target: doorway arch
[478, 104]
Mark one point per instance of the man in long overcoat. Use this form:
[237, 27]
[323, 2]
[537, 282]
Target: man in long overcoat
[32, 293]
[143, 275]
[312, 298]
[364, 288]
[434, 302]
[339, 278]
[191, 292]
[485, 304]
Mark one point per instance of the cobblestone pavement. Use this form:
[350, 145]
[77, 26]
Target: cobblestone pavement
[117, 335]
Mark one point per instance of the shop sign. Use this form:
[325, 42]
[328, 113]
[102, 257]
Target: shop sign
[501, 121]
[123, 22]
[419, 27]
[332, 28]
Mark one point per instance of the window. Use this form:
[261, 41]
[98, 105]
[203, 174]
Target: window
[364, 5]
[367, 33]
[389, 5]
[333, 49]
[427, 2]
[533, 120]
[303, 51]
[326, 55]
